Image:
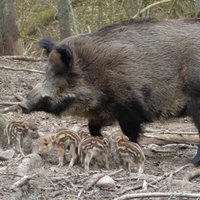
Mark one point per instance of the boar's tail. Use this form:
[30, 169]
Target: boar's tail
[47, 44]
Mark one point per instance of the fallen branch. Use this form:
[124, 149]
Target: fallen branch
[21, 182]
[22, 69]
[13, 108]
[168, 148]
[170, 132]
[158, 194]
[9, 174]
[23, 58]
[167, 138]
[6, 103]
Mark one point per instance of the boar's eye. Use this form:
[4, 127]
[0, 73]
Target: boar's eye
[62, 88]
[72, 78]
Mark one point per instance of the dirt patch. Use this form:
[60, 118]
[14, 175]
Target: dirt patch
[53, 182]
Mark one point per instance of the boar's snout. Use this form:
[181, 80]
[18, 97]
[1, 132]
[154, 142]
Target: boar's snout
[37, 99]
[42, 104]
[24, 106]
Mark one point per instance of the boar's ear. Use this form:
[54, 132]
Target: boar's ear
[66, 55]
[47, 44]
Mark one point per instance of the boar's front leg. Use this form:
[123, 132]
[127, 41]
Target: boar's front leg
[193, 110]
[94, 128]
[196, 159]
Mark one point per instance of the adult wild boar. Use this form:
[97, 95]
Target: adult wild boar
[132, 72]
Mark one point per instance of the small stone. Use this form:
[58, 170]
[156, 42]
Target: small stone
[54, 169]
[106, 183]
[6, 155]
[29, 163]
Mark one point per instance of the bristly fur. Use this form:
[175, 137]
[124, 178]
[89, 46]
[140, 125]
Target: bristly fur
[139, 21]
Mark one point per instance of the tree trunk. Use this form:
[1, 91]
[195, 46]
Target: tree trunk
[9, 35]
[64, 18]
[197, 8]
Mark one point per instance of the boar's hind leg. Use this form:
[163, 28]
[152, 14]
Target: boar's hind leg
[130, 128]
[94, 128]
[193, 110]
[130, 118]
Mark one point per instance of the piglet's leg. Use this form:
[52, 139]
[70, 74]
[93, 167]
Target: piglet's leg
[19, 143]
[73, 154]
[61, 155]
[94, 128]
[87, 160]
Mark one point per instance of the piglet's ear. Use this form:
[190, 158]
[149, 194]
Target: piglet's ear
[47, 44]
[66, 55]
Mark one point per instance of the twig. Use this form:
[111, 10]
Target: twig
[150, 6]
[144, 185]
[23, 58]
[158, 194]
[18, 97]
[13, 108]
[48, 179]
[159, 178]
[172, 173]
[114, 173]
[14, 162]
[59, 178]
[193, 175]
[21, 182]
[139, 8]
[6, 103]
[9, 174]
[79, 194]
[22, 69]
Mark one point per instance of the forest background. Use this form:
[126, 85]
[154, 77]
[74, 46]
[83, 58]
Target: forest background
[27, 21]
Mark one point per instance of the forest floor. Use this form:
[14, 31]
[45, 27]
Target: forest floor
[53, 182]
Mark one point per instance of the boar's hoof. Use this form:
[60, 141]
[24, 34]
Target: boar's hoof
[196, 159]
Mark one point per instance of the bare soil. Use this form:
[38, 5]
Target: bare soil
[53, 182]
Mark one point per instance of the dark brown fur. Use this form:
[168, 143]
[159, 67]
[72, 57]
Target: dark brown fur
[131, 72]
